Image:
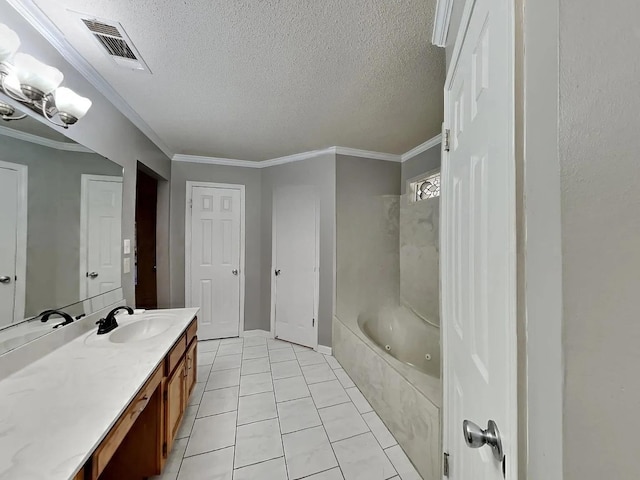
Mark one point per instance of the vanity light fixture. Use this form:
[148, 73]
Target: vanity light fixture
[35, 85]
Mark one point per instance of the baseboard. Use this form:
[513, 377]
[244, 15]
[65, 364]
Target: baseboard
[257, 333]
[324, 350]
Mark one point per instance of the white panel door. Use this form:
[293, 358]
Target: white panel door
[9, 184]
[478, 246]
[102, 229]
[295, 261]
[215, 260]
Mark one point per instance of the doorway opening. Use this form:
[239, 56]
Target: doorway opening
[146, 227]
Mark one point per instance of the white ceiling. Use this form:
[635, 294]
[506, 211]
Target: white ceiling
[259, 79]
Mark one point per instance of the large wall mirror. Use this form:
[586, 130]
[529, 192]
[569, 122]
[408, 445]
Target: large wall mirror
[60, 227]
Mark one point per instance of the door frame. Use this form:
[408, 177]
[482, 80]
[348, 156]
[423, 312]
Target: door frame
[512, 444]
[272, 274]
[19, 305]
[187, 241]
[85, 178]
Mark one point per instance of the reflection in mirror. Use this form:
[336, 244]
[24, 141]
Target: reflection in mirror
[60, 223]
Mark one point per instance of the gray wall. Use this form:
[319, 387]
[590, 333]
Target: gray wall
[106, 131]
[319, 172]
[53, 216]
[600, 175]
[367, 235]
[422, 163]
[181, 172]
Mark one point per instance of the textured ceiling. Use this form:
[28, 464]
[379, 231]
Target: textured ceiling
[259, 79]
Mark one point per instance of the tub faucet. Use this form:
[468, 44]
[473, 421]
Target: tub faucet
[44, 316]
[109, 323]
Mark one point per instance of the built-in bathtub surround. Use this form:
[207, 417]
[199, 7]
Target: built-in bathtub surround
[420, 257]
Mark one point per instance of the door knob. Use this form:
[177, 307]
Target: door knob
[476, 437]
[234, 271]
[5, 279]
[92, 274]
[277, 272]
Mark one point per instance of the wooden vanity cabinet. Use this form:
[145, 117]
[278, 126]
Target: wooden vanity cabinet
[138, 445]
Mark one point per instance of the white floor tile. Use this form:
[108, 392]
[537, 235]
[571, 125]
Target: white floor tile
[282, 355]
[255, 408]
[172, 465]
[206, 358]
[300, 348]
[328, 393]
[223, 379]
[379, 430]
[285, 369]
[309, 357]
[342, 421]
[290, 389]
[212, 433]
[333, 363]
[333, 474]
[275, 344]
[229, 341]
[187, 422]
[270, 470]
[196, 395]
[297, 415]
[258, 383]
[318, 373]
[226, 362]
[255, 365]
[308, 452]
[402, 464]
[361, 458]
[208, 346]
[258, 442]
[203, 373]
[254, 341]
[222, 400]
[230, 349]
[358, 399]
[255, 352]
[344, 379]
[210, 466]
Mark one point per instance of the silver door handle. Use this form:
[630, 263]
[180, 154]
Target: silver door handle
[234, 271]
[5, 279]
[92, 274]
[476, 437]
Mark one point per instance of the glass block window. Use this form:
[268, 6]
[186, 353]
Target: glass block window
[427, 188]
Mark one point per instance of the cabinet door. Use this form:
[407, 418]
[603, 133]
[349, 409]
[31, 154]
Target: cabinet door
[175, 402]
[191, 366]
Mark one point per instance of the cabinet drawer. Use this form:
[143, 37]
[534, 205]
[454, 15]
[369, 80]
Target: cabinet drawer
[114, 438]
[192, 330]
[176, 353]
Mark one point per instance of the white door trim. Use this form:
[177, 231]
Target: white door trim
[511, 445]
[316, 306]
[187, 241]
[84, 224]
[21, 237]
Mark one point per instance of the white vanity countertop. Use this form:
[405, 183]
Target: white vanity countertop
[56, 411]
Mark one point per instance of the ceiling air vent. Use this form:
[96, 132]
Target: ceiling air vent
[115, 43]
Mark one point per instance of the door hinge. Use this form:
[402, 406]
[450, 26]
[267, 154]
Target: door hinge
[313, 322]
[445, 464]
[446, 140]
[164, 449]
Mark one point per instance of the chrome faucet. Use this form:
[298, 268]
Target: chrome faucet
[44, 316]
[109, 323]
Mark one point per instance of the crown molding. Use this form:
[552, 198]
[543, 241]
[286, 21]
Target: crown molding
[230, 162]
[441, 23]
[38, 20]
[423, 147]
[45, 142]
[353, 152]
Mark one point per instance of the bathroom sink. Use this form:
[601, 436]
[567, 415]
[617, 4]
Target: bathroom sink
[143, 329]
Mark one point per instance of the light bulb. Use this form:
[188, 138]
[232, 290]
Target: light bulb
[69, 103]
[35, 74]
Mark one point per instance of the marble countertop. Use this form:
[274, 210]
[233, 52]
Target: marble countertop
[57, 410]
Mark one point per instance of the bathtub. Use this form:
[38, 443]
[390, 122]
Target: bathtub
[393, 356]
[406, 337]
